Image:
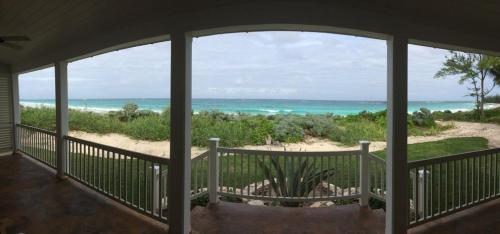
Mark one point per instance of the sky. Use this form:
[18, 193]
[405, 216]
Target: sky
[260, 65]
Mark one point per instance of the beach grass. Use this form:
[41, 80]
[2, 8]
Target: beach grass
[234, 130]
[490, 116]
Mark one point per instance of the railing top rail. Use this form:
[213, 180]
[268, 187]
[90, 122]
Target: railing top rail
[147, 157]
[426, 162]
[36, 129]
[291, 199]
[376, 158]
[286, 153]
[200, 156]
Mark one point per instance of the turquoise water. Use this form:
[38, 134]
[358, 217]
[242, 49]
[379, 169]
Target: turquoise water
[255, 106]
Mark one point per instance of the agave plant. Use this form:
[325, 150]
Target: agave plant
[293, 181]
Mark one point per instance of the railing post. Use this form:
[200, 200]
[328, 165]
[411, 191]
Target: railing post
[364, 170]
[213, 170]
[61, 74]
[156, 189]
[421, 194]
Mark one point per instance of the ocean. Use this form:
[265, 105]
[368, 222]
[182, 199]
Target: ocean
[255, 106]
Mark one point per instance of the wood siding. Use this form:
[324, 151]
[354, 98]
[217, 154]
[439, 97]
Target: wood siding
[6, 130]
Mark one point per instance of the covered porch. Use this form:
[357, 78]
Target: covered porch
[98, 188]
[35, 201]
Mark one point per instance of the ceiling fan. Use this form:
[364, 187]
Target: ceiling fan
[7, 41]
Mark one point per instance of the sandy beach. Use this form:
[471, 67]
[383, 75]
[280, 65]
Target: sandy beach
[162, 148]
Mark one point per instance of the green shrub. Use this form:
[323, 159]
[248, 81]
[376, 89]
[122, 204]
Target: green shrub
[129, 111]
[94, 122]
[423, 118]
[352, 133]
[495, 119]
[237, 130]
[318, 125]
[231, 129]
[288, 129]
[492, 99]
[491, 115]
[261, 129]
[43, 117]
[153, 128]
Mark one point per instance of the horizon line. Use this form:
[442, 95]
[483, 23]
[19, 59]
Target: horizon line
[283, 99]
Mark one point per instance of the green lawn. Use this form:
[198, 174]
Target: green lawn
[453, 183]
[449, 146]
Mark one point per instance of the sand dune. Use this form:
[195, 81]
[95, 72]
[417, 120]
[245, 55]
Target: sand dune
[162, 148]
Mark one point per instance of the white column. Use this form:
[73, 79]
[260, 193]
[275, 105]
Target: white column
[397, 169]
[61, 73]
[179, 170]
[364, 170]
[213, 170]
[16, 111]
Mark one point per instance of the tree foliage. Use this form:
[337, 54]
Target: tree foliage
[474, 70]
[423, 118]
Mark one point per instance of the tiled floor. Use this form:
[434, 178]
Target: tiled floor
[33, 200]
[482, 219]
[239, 218]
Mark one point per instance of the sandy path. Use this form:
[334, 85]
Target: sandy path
[157, 148]
[161, 148]
[465, 129]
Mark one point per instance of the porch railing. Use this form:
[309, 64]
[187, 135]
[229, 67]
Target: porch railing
[438, 186]
[37, 143]
[341, 175]
[444, 185]
[199, 175]
[134, 179]
[377, 177]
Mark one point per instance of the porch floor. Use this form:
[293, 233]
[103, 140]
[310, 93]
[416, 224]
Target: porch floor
[33, 200]
[484, 218]
[240, 218]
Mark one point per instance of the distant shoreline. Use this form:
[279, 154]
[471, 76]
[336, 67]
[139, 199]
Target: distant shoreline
[258, 106]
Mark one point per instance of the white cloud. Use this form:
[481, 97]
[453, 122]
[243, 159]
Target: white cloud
[255, 65]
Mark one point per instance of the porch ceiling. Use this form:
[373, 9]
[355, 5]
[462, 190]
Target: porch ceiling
[65, 29]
